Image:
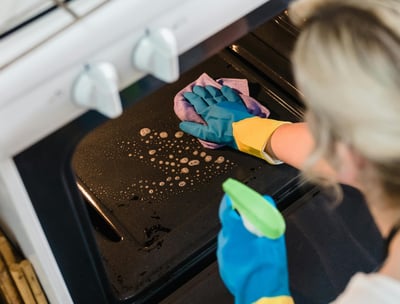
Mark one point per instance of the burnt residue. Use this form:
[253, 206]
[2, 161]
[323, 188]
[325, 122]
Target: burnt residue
[149, 232]
[121, 282]
[152, 236]
[134, 197]
[142, 273]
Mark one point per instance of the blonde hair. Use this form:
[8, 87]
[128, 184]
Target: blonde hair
[347, 64]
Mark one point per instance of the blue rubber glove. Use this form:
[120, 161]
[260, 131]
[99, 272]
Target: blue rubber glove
[228, 122]
[219, 109]
[253, 268]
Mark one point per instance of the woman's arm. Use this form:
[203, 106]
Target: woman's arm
[228, 122]
[292, 143]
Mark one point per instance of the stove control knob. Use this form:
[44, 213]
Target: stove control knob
[97, 88]
[157, 53]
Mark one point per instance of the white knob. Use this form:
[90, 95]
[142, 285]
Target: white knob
[157, 54]
[97, 88]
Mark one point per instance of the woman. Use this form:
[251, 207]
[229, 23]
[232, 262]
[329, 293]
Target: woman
[347, 65]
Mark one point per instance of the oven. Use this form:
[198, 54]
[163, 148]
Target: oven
[96, 184]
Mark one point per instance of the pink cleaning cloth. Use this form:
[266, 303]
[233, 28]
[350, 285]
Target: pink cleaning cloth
[185, 111]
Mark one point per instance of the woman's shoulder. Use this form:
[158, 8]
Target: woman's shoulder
[370, 288]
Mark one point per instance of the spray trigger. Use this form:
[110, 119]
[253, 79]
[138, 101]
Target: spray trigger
[258, 215]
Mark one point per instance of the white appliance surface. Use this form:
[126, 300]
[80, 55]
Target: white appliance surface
[15, 12]
[75, 57]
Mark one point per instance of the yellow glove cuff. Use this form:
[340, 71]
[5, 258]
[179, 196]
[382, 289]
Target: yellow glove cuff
[275, 300]
[252, 135]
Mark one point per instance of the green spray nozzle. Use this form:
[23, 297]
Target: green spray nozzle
[255, 209]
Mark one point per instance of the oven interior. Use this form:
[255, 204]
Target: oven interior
[142, 215]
